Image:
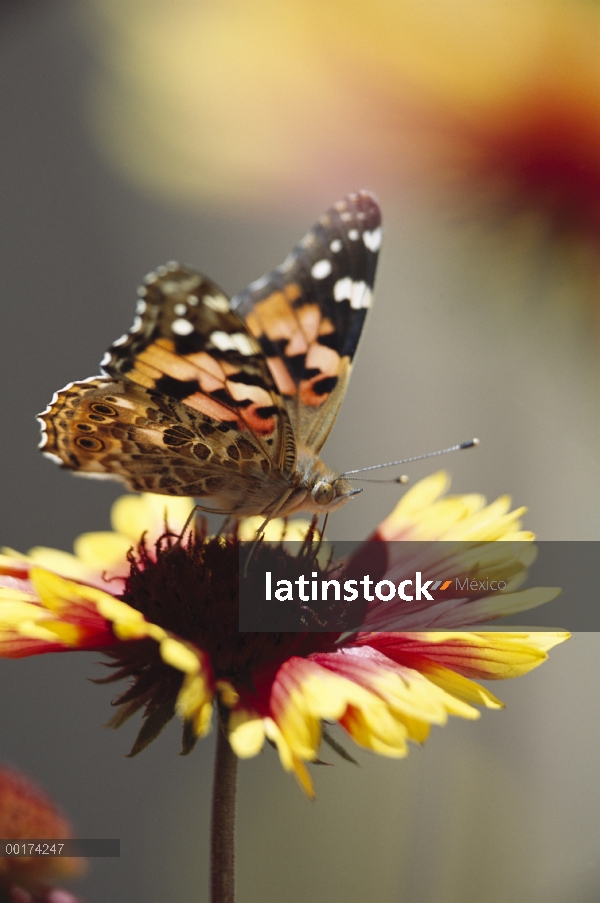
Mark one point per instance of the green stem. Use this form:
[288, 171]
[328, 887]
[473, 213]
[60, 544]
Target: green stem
[222, 842]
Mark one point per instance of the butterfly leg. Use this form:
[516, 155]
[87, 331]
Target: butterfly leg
[263, 526]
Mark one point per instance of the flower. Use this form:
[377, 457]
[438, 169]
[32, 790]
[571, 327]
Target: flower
[295, 99]
[26, 812]
[170, 625]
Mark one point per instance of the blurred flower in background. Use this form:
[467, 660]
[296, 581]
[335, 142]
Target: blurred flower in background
[26, 812]
[493, 109]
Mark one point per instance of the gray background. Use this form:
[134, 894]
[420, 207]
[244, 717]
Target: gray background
[506, 809]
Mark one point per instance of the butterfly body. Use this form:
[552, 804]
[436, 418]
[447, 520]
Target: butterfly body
[230, 400]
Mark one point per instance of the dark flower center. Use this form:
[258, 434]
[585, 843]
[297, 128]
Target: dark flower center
[192, 589]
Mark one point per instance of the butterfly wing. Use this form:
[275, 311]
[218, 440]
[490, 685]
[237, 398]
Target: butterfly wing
[307, 314]
[186, 343]
[113, 428]
[186, 378]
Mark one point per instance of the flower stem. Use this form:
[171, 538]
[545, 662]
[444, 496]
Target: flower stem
[222, 843]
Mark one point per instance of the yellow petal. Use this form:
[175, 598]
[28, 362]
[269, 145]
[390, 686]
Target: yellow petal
[59, 595]
[34, 631]
[228, 695]
[103, 550]
[178, 655]
[422, 494]
[133, 515]
[60, 562]
[194, 703]
[459, 686]
[246, 733]
[275, 531]
[288, 759]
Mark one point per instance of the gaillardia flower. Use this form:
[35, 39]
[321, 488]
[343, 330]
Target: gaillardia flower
[164, 608]
[26, 812]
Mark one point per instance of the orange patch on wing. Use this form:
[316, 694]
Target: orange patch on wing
[309, 316]
[168, 344]
[209, 407]
[259, 425]
[142, 379]
[273, 316]
[146, 370]
[168, 363]
[158, 360]
[256, 394]
[328, 362]
[325, 359]
[326, 327]
[283, 380]
[308, 396]
[208, 364]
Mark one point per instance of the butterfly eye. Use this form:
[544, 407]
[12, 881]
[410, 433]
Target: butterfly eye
[323, 493]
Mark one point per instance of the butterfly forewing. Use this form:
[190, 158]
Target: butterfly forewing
[308, 313]
[187, 344]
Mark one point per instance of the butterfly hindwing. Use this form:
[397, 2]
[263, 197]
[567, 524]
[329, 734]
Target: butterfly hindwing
[107, 427]
[308, 313]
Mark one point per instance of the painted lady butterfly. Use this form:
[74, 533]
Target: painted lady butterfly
[230, 400]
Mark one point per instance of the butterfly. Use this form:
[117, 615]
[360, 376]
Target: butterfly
[230, 400]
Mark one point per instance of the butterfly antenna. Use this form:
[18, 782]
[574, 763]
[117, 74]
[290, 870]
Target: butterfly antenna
[402, 479]
[470, 443]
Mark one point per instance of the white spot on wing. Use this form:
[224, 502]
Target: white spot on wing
[220, 304]
[182, 327]
[336, 245]
[343, 289]
[44, 437]
[244, 344]
[361, 295]
[192, 300]
[321, 269]
[137, 324]
[52, 457]
[161, 271]
[180, 309]
[142, 291]
[372, 239]
[150, 278]
[120, 341]
[353, 234]
[357, 293]
[237, 341]
[141, 306]
[106, 359]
